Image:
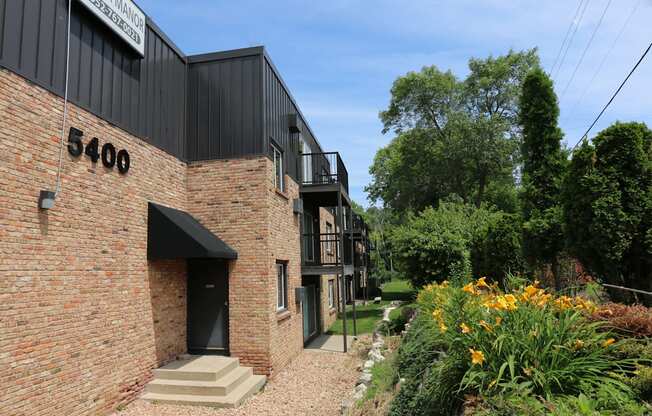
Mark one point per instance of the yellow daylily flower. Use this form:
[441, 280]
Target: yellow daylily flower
[469, 289]
[608, 342]
[443, 327]
[477, 356]
[498, 320]
[578, 344]
[465, 328]
[482, 282]
[486, 326]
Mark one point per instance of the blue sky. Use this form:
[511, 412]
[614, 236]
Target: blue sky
[340, 57]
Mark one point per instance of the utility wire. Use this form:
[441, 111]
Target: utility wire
[586, 134]
[604, 59]
[568, 31]
[570, 40]
[588, 45]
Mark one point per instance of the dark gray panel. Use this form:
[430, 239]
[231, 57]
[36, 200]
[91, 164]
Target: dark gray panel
[3, 6]
[225, 113]
[145, 97]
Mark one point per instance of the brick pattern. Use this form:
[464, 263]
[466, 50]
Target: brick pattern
[328, 314]
[84, 317]
[237, 200]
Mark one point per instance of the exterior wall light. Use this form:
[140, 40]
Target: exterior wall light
[46, 199]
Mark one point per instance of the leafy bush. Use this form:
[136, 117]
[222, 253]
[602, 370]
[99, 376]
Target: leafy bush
[498, 253]
[633, 321]
[608, 206]
[437, 244]
[529, 343]
[399, 317]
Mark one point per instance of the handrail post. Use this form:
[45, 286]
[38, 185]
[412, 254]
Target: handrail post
[341, 261]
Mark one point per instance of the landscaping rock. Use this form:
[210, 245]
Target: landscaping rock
[376, 356]
[365, 378]
[377, 299]
[368, 364]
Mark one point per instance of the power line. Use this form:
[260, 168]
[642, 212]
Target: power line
[586, 134]
[570, 40]
[588, 45]
[604, 58]
[563, 43]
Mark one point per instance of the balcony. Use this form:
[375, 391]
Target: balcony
[320, 253]
[323, 176]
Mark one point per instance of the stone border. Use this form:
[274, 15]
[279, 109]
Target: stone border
[374, 356]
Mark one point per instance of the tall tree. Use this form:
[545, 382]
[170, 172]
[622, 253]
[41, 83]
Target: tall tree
[543, 168]
[608, 206]
[454, 136]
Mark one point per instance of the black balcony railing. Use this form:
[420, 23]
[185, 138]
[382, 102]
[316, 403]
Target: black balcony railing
[324, 249]
[323, 169]
[321, 249]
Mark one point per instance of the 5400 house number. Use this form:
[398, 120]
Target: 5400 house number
[108, 154]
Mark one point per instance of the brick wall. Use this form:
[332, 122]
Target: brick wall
[236, 199]
[328, 314]
[83, 316]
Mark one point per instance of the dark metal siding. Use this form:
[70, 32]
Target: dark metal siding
[224, 108]
[278, 108]
[145, 97]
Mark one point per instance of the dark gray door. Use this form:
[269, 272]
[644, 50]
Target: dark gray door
[208, 308]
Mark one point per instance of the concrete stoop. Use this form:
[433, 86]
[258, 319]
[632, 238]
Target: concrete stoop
[203, 380]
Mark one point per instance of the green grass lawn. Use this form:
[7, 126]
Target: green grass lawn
[366, 319]
[398, 290]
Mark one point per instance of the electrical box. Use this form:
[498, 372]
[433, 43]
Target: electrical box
[300, 294]
[297, 206]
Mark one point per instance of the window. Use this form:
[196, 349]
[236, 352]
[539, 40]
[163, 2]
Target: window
[308, 236]
[279, 177]
[329, 238]
[331, 293]
[306, 161]
[281, 286]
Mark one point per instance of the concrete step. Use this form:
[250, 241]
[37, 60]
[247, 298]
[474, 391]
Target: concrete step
[246, 389]
[197, 368]
[223, 386]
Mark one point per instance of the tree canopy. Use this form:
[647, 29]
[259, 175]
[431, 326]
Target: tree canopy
[453, 136]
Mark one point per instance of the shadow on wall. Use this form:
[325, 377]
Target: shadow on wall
[168, 295]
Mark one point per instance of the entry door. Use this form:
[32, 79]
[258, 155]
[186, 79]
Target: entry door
[310, 313]
[208, 308]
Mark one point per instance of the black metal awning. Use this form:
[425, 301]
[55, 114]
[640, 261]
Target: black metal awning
[175, 234]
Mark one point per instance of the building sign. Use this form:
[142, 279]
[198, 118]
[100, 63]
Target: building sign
[124, 18]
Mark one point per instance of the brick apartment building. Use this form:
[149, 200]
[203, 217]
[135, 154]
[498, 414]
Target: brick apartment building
[195, 211]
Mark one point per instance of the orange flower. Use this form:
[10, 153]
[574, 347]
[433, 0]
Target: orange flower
[465, 328]
[469, 289]
[482, 282]
[486, 326]
[498, 320]
[578, 344]
[608, 342]
[477, 356]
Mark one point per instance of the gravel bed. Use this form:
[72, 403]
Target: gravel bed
[315, 383]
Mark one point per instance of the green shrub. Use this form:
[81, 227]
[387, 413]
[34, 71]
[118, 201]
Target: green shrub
[608, 207]
[497, 254]
[435, 245]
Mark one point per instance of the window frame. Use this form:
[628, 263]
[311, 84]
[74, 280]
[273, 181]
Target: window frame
[330, 230]
[281, 286]
[331, 293]
[279, 171]
[309, 235]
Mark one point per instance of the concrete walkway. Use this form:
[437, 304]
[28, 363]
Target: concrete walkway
[330, 343]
